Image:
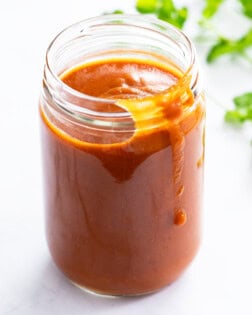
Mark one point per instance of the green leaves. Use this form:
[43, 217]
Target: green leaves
[227, 46]
[224, 45]
[242, 111]
[211, 7]
[164, 10]
[146, 6]
[247, 7]
[169, 13]
[117, 12]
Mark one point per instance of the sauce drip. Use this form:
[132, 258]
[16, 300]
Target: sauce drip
[180, 217]
[167, 108]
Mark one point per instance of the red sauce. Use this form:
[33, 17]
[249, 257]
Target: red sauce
[123, 214]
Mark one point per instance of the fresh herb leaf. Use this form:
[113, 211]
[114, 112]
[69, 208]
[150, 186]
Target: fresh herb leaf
[238, 116]
[211, 8]
[169, 13]
[247, 7]
[146, 6]
[229, 46]
[164, 10]
[114, 12]
[242, 111]
[118, 12]
[244, 100]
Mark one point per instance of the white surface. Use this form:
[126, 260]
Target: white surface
[218, 282]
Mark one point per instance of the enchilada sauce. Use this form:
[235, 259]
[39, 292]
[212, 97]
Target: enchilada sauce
[123, 210]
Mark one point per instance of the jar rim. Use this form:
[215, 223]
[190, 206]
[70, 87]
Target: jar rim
[136, 20]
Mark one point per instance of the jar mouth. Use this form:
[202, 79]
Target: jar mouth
[102, 36]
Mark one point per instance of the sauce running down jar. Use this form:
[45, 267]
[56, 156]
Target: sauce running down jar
[122, 117]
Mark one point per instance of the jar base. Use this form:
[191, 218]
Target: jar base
[102, 294]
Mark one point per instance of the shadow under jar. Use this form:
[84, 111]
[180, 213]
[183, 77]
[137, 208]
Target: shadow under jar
[122, 118]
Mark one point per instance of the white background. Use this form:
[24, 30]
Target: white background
[220, 279]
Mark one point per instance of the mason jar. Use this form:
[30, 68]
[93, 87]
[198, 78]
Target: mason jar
[122, 118]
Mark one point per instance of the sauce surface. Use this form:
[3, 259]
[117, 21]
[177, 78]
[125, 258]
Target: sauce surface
[123, 215]
[118, 79]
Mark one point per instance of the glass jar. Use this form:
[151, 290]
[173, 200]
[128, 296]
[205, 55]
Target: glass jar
[123, 170]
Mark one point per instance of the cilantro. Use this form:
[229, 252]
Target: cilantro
[211, 8]
[164, 10]
[229, 46]
[169, 13]
[146, 6]
[242, 111]
[117, 12]
[247, 7]
[243, 100]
